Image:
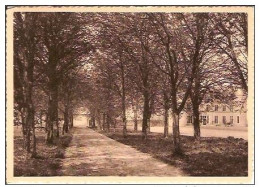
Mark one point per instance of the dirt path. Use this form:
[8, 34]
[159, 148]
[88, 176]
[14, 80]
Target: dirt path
[93, 154]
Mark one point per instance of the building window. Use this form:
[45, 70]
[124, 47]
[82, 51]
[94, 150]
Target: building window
[207, 108]
[231, 108]
[237, 119]
[231, 119]
[204, 120]
[216, 119]
[216, 107]
[224, 108]
[224, 119]
[189, 119]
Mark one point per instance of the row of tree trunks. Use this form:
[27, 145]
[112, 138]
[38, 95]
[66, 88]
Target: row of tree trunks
[24, 69]
[103, 121]
[106, 123]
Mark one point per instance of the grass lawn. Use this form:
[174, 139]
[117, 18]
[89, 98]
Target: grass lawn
[48, 161]
[209, 157]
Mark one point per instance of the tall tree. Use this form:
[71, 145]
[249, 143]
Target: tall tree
[66, 44]
[197, 29]
[173, 57]
[143, 73]
[25, 52]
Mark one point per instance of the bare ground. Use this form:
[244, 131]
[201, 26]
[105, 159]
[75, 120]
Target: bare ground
[48, 160]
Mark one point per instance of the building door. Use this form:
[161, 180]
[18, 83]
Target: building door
[204, 120]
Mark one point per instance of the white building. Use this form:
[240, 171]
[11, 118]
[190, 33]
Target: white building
[218, 114]
[215, 113]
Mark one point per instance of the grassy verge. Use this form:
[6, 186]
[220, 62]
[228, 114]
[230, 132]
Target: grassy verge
[209, 157]
[49, 157]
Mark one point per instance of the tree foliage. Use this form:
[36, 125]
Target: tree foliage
[113, 62]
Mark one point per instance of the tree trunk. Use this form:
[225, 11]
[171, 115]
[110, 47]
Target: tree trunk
[30, 124]
[195, 99]
[29, 111]
[57, 127]
[145, 116]
[66, 119]
[71, 120]
[166, 125]
[93, 121]
[124, 115]
[23, 123]
[104, 121]
[99, 121]
[52, 114]
[27, 70]
[28, 130]
[114, 124]
[124, 126]
[135, 119]
[166, 115]
[34, 141]
[24, 127]
[196, 123]
[122, 68]
[149, 124]
[108, 122]
[151, 105]
[176, 134]
[124, 107]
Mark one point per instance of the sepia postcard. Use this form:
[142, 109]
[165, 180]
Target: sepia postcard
[130, 95]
